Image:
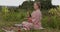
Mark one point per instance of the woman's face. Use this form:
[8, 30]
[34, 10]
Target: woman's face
[35, 6]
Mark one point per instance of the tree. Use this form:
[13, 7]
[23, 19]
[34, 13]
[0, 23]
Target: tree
[45, 4]
[27, 5]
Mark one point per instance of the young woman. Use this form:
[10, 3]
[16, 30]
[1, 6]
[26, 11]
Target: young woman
[35, 20]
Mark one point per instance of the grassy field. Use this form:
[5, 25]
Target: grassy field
[50, 23]
[47, 29]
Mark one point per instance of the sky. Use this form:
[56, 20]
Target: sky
[55, 2]
[19, 2]
[11, 2]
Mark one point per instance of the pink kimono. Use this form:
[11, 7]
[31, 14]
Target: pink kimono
[36, 19]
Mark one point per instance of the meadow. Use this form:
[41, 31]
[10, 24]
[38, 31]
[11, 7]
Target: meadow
[50, 19]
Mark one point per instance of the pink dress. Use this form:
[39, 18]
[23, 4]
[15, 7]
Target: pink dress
[36, 19]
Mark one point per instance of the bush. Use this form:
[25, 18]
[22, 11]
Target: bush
[5, 9]
[13, 16]
[55, 11]
[52, 20]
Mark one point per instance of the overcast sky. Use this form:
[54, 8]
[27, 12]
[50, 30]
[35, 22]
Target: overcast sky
[11, 2]
[19, 2]
[55, 2]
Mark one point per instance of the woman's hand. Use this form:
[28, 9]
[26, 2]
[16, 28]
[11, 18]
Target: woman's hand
[29, 20]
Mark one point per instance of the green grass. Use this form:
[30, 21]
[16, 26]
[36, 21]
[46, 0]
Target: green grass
[10, 23]
[45, 30]
[9, 19]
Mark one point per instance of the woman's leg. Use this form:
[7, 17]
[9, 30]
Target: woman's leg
[27, 25]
